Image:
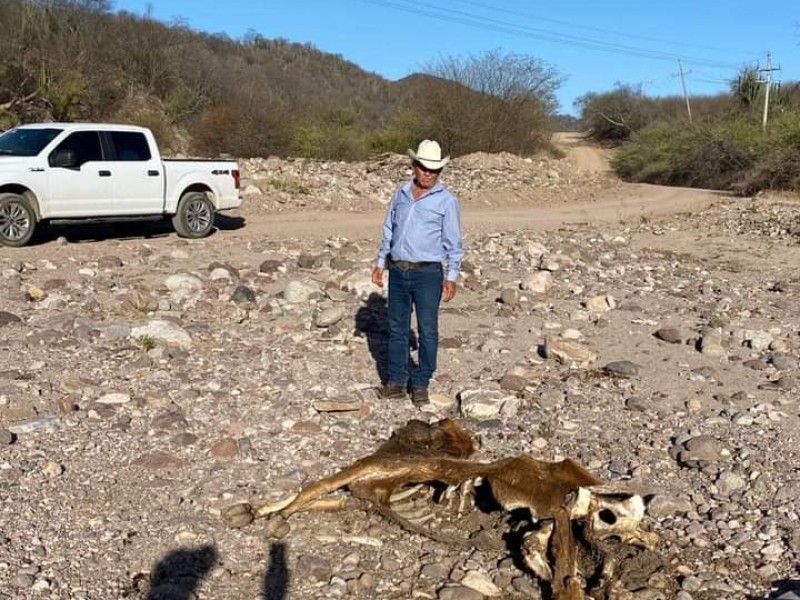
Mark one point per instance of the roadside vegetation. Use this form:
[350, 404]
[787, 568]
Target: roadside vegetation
[725, 146]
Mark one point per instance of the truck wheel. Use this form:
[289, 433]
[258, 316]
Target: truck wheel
[195, 216]
[17, 220]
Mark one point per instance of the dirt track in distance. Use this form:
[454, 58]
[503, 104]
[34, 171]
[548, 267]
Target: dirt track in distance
[631, 202]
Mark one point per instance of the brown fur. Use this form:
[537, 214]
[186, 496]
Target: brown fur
[422, 453]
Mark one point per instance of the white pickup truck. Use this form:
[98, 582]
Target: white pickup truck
[51, 172]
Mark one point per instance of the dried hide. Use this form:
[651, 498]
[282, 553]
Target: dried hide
[581, 535]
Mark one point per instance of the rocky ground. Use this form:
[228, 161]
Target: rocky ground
[147, 383]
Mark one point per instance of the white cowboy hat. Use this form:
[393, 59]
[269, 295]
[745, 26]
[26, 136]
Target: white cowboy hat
[429, 155]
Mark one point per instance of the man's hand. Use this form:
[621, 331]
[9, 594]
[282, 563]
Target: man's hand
[448, 290]
[377, 276]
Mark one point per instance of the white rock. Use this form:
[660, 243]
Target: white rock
[300, 291]
[220, 274]
[164, 331]
[329, 316]
[480, 582]
[538, 282]
[571, 334]
[184, 287]
[601, 304]
[114, 398]
[179, 254]
[482, 404]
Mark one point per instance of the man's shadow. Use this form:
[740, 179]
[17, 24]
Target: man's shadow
[178, 575]
[276, 577]
[783, 588]
[372, 322]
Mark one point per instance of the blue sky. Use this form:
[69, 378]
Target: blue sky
[593, 43]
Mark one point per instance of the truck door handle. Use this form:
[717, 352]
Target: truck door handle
[104, 173]
[153, 173]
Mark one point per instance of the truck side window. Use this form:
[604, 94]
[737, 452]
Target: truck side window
[130, 145]
[85, 145]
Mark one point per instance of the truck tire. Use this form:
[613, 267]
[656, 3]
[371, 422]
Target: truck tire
[17, 220]
[195, 216]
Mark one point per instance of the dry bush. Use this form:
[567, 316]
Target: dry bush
[491, 102]
[211, 130]
[145, 112]
[615, 116]
[733, 153]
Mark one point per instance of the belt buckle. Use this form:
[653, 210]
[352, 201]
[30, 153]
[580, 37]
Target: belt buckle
[403, 265]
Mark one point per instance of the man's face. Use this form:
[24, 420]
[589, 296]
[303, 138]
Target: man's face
[424, 176]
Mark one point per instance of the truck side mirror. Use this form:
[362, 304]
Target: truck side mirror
[65, 158]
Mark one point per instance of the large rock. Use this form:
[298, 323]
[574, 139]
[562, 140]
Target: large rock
[165, 332]
[537, 283]
[568, 352]
[7, 317]
[297, 291]
[184, 287]
[482, 404]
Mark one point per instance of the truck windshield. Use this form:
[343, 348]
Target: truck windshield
[26, 142]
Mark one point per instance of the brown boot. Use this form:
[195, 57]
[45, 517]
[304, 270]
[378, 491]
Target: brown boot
[392, 391]
[420, 397]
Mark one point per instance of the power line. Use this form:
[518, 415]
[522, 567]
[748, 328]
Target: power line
[591, 28]
[491, 24]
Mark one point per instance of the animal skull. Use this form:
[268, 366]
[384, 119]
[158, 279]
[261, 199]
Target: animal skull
[612, 513]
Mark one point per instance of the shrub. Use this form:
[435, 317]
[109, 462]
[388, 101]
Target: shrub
[709, 155]
[778, 165]
[403, 131]
[289, 184]
[147, 342]
[336, 136]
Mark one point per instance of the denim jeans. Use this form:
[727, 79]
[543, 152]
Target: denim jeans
[421, 289]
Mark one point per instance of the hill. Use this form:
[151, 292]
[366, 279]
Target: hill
[207, 93]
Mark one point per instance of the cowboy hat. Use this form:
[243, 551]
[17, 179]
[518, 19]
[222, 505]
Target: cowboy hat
[429, 155]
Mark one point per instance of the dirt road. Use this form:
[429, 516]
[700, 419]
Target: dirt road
[584, 156]
[616, 203]
[631, 202]
[625, 203]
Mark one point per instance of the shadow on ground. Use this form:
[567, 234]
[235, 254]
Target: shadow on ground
[372, 322]
[178, 575]
[127, 230]
[783, 589]
[276, 577]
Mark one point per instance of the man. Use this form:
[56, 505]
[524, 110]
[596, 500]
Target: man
[421, 233]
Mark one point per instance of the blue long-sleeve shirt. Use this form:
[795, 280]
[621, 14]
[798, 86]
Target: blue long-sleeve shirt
[423, 230]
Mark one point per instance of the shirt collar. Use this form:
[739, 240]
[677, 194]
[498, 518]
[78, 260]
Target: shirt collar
[437, 187]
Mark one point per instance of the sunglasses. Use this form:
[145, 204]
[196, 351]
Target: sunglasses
[424, 169]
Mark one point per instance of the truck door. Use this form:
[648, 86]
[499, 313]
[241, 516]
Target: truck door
[80, 183]
[137, 175]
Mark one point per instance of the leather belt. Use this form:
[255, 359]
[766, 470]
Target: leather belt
[405, 265]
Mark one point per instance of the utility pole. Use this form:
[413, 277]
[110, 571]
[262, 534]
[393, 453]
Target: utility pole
[768, 82]
[685, 95]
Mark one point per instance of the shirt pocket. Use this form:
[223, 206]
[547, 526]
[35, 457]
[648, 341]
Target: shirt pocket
[400, 214]
[430, 213]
